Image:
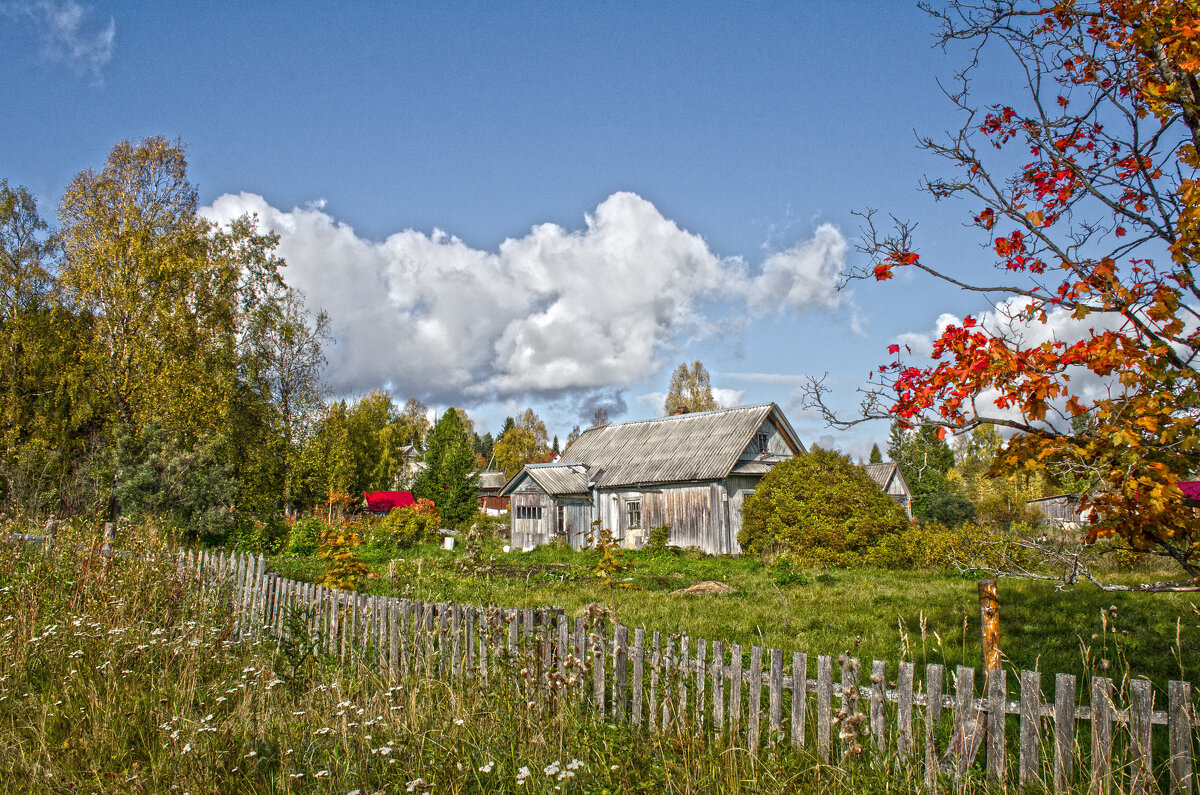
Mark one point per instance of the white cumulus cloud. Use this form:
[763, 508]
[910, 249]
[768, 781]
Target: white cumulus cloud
[555, 312]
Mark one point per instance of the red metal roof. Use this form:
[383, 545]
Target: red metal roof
[1190, 488]
[384, 501]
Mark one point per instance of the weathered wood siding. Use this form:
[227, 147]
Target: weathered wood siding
[577, 522]
[697, 513]
[739, 487]
[777, 445]
[526, 532]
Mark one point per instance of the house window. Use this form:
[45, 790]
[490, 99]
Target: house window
[763, 443]
[633, 514]
[529, 512]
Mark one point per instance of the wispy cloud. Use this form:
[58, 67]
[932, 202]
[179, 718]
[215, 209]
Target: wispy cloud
[574, 315]
[71, 33]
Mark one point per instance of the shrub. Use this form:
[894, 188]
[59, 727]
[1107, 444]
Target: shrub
[487, 526]
[345, 569]
[658, 538]
[305, 537]
[257, 535]
[820, 507]
[406, 527]
[932, 546]
[948, 509]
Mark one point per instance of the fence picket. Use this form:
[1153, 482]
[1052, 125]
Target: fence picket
[701, 664]
[754, 707]
[878, 703]
[934, 679]
[775, 699]
[1064, 730]
[655, 664]
[799, 689]
[1179, 741]
[1141, 711]
[996, 681]
[1031, 723]
[681, 680]
[620, 666]
[639, 640]
[718, 687]
[904, 704]
[735, 691]
[1102, 715]
[824, 704]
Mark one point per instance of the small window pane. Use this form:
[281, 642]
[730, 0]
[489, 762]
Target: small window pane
[633, 513]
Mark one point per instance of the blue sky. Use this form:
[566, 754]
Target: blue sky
[534, 204]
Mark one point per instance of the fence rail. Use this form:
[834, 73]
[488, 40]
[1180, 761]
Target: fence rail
[665, 683]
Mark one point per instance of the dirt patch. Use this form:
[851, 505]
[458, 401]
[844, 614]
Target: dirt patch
[708, 586]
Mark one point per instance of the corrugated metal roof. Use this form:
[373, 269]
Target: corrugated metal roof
[684, 447]
[881, 473]
[560, 478]
[753, 467]
[490, 480]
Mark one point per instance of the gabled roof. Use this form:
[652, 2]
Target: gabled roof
[884, 473]
[490, 480]
[684, 447]
[387, 500]
[556, 478]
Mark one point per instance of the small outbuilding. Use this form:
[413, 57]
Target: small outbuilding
[490, 482]
[890, 479]
[691, 472]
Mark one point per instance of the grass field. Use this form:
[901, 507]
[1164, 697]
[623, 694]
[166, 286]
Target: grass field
[116, 678]
[871, 613]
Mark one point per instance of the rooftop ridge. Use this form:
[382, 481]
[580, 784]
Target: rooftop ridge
[676, 417]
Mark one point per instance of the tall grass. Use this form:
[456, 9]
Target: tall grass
[116, 676]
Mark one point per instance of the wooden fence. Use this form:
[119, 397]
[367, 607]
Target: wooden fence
[756, 698]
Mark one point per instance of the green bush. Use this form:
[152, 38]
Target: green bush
[305, 537]
[821, 508]
[256, 535]
[933, 546]
[948, 509]
[658, 538]
[406, 527]
[487, 526]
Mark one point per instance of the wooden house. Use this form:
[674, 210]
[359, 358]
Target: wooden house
[490, 483]
[889, 478]
[689, 471]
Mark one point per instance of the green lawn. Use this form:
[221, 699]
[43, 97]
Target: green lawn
[873, 614]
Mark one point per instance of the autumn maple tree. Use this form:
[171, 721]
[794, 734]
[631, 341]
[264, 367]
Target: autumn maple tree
[1085, 186]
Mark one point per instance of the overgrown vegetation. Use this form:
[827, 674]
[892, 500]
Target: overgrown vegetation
[821, 508]
[119, 678]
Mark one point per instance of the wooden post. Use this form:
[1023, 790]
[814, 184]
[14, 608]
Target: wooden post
[989, 624]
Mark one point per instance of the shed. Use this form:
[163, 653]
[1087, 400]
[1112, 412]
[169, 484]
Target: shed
[887, 476]
[490, 482]
[691, 472]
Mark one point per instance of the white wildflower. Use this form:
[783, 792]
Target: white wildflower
[487, 768]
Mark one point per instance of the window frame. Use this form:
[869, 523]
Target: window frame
[633, 507]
